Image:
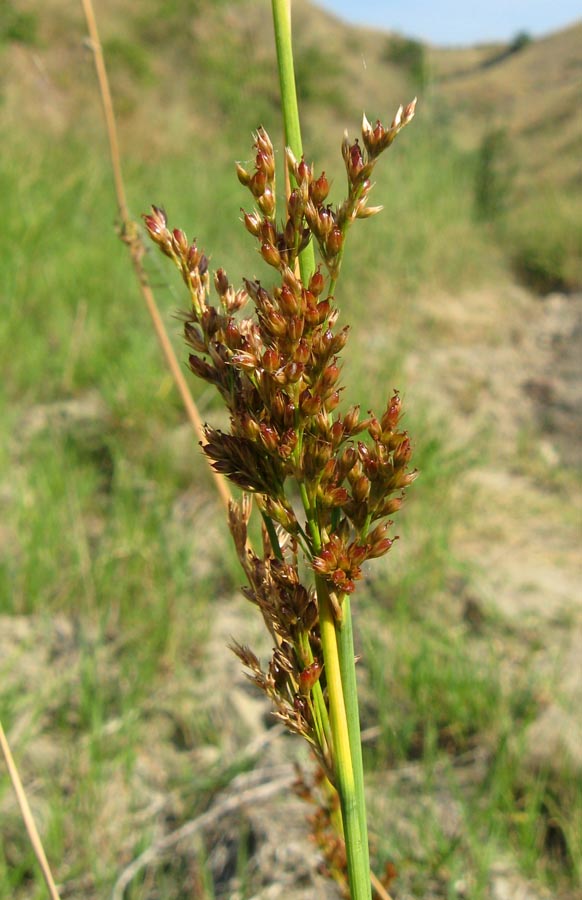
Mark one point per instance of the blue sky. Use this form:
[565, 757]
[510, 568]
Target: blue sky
[459, 21]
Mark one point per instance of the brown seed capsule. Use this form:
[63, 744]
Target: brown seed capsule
[267, 202]
[309, 404]
[278, 406]
[304, 172]
[302, 352]
[257, 184]
[319, 189]
[252, 223]
[337, 433]
[271, 255]
[275, 322]
[293, 372]
[334, 241]
[232, 335]
[332, 401]
[271, 360]
[289, 414]
[180, 241]
[242, 175]
[308, 677]
[329, 377]
[374, 428]
[295, 329]
[316, 283]
[287, 301]
[295, 205]
[390, 418]
[221, 282]
[361, 489]
[269, 437]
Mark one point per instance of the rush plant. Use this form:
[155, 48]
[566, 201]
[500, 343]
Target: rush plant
[326, 482]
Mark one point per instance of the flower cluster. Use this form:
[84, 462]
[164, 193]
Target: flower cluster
[326, 482]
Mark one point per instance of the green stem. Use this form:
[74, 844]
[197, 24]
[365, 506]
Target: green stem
[352, 805]
[282, 23]
[336, 639]
[348, 674]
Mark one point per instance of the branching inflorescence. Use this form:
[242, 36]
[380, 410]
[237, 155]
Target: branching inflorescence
[325, 482]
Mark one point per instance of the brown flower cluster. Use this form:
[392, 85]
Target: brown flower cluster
[326, 482]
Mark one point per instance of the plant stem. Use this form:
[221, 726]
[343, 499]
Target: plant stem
[292, 127]
[348, 674]
[348, 785]
[336, 638]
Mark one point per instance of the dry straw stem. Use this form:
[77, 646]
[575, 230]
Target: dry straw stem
[131, 237]
[27, 818]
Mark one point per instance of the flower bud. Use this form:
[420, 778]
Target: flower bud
[334, 241]
[258, 183]
[311, 315]
[374, 428]
[274, 322]
[402, 453]
[289, 414]
[295, 205]
[316, 283]
[245, 360]
[323, 310]
[265, 163]
[390, 418]
[346, 462]
[332, 402]
[270, 254]
[232, 335]
[288, 443]
[293, 372]
[351, 421]
[252, 223]
[304, 172]
[278, 406]
[337, 433]
[269, 438]
[389, 506]
[270, 360]
[339, 340]
[379, 548]
[194, 337]
[243, 175]
[319, 189]
[325, 222]
[337, 496]
[330, 376]
[221, 282]
[308, 677]
[309, 404]
[361, 489]
[267, 202]
[202, 369]
[302, 352]
[295, 329]
[249, 426]
[287, 301]
[180, 241]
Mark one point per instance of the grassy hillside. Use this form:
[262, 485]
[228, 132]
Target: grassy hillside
[116, 573]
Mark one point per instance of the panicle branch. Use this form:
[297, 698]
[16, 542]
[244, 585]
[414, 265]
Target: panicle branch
[326, 482]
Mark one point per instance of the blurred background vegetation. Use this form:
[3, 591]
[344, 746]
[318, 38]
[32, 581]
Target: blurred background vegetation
[115, 566]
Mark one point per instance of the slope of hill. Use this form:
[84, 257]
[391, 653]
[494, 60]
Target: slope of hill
[125, 710]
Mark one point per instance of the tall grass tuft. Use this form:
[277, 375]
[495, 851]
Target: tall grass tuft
[324, 482]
